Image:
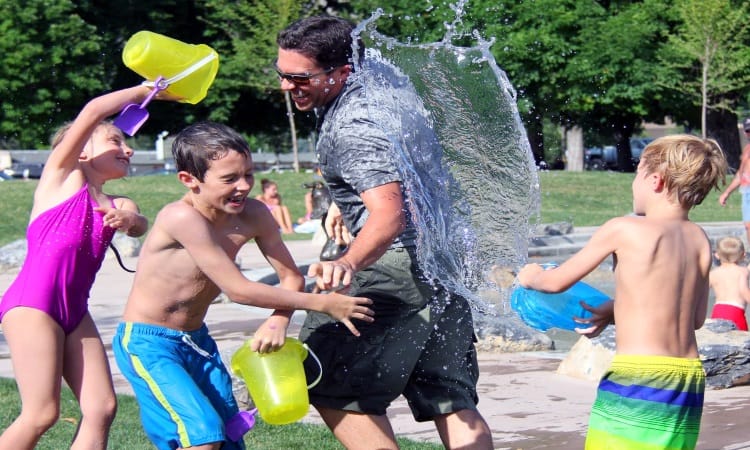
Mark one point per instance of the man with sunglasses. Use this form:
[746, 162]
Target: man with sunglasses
[413, 348]
[742, 180]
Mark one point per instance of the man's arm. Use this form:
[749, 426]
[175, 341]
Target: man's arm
[737, 180]
[385, 222]
[732, 186]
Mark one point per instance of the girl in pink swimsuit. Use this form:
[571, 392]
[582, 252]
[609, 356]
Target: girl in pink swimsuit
[44, 313]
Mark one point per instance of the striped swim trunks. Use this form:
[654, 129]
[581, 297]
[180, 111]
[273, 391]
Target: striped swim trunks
[648, 402]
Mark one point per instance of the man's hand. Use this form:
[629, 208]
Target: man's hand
[723, 198]
[331, 275]
[335, 227]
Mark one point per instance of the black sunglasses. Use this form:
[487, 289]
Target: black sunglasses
[300, 79]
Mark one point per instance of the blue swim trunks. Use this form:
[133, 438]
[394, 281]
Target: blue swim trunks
[183, 388]
[745, 191]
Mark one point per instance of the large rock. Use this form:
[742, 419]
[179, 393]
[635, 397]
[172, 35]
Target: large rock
[724, 351]
[587, 360]
[509, 335]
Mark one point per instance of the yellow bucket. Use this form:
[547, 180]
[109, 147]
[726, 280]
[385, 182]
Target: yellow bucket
[276, 380]
[188, 69]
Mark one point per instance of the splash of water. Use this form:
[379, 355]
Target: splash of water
[466, 162]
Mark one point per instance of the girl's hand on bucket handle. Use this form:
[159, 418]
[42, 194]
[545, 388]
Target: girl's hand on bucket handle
[344, 308]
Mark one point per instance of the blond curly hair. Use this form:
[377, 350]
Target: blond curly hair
[691, 166]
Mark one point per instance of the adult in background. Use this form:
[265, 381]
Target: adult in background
[742, 180]
[414, 348]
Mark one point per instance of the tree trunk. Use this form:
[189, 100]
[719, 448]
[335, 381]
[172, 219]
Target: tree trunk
[721, 125]
[535, 134]
[624, 154]
[293, 129]
[574, 149]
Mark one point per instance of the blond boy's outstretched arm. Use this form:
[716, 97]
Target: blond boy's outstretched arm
[602, 244]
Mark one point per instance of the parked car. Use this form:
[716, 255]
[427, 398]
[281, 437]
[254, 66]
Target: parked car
[601, 158]
[24, 170]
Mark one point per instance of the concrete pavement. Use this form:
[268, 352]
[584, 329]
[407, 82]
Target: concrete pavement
[527, 404]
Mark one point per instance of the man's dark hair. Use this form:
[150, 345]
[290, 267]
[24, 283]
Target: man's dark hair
[198, 144]
[326, 39]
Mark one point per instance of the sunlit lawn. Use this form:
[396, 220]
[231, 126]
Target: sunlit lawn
[582, 198]
[127, 432]
[591, 198]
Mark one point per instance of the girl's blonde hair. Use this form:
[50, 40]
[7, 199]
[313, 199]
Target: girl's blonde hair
[691, 166]
[59, 134]
[730, 249]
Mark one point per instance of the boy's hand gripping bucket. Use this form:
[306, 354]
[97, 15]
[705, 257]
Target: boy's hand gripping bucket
[188, 70]
[276, 380]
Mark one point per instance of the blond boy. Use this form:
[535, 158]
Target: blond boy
[652, 395]
[730, 282]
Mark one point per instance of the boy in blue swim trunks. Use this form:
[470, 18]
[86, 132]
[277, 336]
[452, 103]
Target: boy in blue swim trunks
[163, 347]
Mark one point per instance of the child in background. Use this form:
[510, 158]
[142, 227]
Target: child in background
[44, 312]
[163, 346]
[272, 199]
[730, 282]
[652, 395]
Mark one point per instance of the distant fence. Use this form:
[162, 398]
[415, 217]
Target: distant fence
[147, 160]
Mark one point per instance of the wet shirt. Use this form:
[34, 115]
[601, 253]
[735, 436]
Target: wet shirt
[355, 155]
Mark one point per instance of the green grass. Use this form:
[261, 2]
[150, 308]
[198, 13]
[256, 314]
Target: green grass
[151, 193]
[127, 434]
[591, 198]
[581, 198]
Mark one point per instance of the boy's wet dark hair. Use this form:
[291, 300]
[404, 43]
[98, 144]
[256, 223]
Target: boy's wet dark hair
[198, 144]
[326, 39]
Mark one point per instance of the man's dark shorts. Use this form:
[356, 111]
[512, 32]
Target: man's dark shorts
[425, 352]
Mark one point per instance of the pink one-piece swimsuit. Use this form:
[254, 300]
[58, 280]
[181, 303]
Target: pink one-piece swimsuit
[66, 247]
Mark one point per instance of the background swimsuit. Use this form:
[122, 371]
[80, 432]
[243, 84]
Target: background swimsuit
[730, 312]
[66, 247]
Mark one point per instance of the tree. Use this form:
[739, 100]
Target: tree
[707, 59]
[49, 67]
[247, 32]
[535, 41]
[612, 76]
